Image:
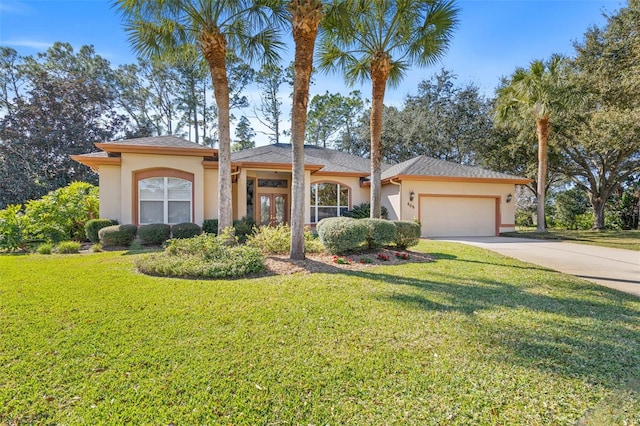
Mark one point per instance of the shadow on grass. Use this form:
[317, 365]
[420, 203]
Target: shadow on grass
[589, 332]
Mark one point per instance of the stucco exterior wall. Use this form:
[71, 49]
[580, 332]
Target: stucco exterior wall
[132, 163]
[109, 192]
[391, 199]
[210, 194]
[410, 210]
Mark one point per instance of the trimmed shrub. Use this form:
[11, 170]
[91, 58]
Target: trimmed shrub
[68, 247]
[244, 228]
[382, 232]
[44, 248]
[277, 240]
[117, 235]
[204, 256]
[407, 233]
[92, 227]
[185, 230]
[363, 211]
[210, 226]
[154, 234]
[342, 234]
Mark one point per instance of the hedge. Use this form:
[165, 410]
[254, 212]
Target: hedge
[185, 230]
[117, 235]
[382, 232]
[407, 233]
[92, 227]
[154, 233]
[341, 235]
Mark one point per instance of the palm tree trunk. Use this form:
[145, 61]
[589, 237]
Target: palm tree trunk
[542, 131]
[214, 48]
[380, 68]
[305, 19]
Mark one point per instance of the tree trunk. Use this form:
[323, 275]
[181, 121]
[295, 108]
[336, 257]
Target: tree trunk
[214, 48]
[305, 18]
[380, 68]
[598, 205]
[542, 131]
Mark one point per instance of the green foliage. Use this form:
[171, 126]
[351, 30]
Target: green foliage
[154, 233]
[210, 226]
[584, 221]
[407, 233]
[62, 214]
[185, 230]
[96, 248]
[277, 240]
[569, 205]
[363, 211]
[204, 256]
[12, 228]
[244, 228]
[68, 247]
[44, 248]
[117, 235]
[381, 232]
[342, 234]
[92, 227]
[524, 217]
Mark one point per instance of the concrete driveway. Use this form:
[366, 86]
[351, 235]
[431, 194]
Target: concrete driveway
[614, 268]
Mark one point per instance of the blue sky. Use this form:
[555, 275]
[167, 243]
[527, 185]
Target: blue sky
[493, 37]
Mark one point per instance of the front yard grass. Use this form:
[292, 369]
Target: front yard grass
[472, 338]
[629, 240]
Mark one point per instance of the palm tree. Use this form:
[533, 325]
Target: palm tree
[379, 40]
[541, 94]
[157, 29]
[305, 16]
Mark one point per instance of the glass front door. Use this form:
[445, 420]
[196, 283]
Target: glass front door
[273, 209]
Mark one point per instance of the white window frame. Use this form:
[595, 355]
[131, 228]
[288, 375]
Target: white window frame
[315, 206]
[165, 200]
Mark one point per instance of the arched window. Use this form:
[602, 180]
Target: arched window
[164, 196]
[328, 200]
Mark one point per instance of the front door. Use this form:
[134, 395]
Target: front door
[273, 209]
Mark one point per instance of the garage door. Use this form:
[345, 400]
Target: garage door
[457, 216]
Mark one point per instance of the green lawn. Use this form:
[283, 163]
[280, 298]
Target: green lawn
[472, 338]
[629, 240]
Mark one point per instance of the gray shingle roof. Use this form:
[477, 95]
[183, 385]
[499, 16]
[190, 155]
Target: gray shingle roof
[428, 166]
[169, 141]
[332, 160]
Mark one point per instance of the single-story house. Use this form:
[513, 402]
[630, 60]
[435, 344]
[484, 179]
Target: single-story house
[168, 179]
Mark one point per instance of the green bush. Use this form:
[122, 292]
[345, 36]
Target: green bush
[117, 235]
[244, 228]
[584, 221]
[44, 248]
[204, 256]
[210, 226]
[185, 230]
[62, 214]
[154, 233]
[407, 233]
[92, 227]
[382, 232]
[363, 211]
[12, 228]
[68, 247]
[342, 234]
[569, 205]
[277, 240]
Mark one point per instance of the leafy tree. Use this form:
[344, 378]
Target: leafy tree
[158, 29]
[570, 204]
[244, 135]
[600, 143]
[539, 94]
[379, 40]
[57, 105]
[332, 117]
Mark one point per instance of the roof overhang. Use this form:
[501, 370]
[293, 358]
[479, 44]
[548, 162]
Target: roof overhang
[274, 166]
[348, 174]
[156, 150]
[400, 178]
[95, 162]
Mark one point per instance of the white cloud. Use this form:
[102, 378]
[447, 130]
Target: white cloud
[15, 7]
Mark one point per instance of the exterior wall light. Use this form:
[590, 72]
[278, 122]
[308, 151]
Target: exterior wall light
[412, 195]
[509, 198]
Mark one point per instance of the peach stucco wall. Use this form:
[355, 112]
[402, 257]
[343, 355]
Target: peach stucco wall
[109, 190]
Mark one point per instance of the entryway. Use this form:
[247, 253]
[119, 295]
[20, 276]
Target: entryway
[272, 209]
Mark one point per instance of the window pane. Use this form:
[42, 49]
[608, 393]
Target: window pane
[343, 210]
[327, 194]
[324, 212]
[179, 189]
[344, 196]
[313, 218]
[151, 189]
[179, 211]
[314, 189]
[250, 196]
[151, 212]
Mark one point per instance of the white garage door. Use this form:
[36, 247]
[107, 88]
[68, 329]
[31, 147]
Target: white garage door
[457, 216]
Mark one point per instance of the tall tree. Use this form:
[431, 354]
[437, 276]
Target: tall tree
[305, 17]
[538, 94]
[269, 111]
[216, 27]
[378, 41]
[331, 117]
[600, 143]
[244, 135]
